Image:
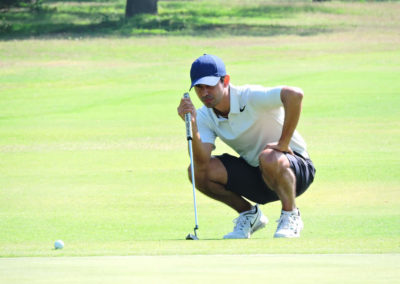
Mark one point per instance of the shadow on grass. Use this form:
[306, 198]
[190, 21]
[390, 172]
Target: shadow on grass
[175, 18]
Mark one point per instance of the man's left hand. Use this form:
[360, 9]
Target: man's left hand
[279, 147]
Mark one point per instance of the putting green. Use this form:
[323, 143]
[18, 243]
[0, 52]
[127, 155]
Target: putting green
[333, 268]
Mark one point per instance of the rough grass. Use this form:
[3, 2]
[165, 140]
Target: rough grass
[206, 18]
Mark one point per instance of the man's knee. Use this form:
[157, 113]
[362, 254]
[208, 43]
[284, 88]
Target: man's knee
[273, 163]
[200, 177]
[213, 172]
[196, 176]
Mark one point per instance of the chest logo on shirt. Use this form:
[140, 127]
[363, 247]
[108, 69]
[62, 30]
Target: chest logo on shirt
[242, 109]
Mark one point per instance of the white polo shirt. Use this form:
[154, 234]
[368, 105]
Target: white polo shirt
[255, 119]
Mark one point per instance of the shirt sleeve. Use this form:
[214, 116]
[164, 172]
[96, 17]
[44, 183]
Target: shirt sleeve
[207, 135]
[262, 97]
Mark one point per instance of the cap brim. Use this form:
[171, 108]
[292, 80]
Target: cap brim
[208, 80]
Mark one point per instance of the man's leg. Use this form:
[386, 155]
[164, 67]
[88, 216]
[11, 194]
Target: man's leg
[227, 178]
[279, 177]
[212, 180]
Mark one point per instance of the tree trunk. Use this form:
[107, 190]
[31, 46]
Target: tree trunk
[134, 7]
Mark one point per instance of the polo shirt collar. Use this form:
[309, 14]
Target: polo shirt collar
[214, 116]
[234, 100]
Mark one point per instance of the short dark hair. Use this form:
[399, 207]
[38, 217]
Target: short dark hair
[222, 79]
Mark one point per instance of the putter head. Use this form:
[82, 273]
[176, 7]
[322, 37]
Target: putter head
[192, 237]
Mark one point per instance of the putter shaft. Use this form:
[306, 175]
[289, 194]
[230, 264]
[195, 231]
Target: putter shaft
[193, 186]
[189, 138]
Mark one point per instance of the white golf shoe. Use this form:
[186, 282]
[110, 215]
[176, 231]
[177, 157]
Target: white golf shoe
[247, 223]
[289, 225]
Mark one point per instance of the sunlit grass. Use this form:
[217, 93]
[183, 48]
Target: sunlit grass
[93, 152]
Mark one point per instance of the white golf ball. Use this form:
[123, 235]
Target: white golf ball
[59, 244]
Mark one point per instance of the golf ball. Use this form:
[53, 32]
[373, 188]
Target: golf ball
[59, 244]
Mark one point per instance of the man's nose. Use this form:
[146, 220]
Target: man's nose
[204, 91]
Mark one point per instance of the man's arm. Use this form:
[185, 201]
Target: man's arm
[201, 151]
[292, 101]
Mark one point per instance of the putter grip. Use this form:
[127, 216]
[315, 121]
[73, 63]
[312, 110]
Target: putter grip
[188, 122]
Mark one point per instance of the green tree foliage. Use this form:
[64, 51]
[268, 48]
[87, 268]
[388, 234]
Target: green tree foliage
[12, 3]
[33, 4]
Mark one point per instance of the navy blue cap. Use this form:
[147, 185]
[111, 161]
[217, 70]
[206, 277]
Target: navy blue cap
[207, 70]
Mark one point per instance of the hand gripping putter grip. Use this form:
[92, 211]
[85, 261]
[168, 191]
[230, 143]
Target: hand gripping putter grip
[188, 123]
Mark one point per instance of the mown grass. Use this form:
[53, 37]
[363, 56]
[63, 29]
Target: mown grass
[200, 269]
[93, 152]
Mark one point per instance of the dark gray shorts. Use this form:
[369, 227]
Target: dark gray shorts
[247, 181]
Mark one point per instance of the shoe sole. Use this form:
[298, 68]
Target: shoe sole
[286, 237]
[235, 238]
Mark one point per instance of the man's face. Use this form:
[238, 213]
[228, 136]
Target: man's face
[211, 96]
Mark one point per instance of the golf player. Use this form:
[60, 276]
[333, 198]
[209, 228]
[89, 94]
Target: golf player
[259, 123]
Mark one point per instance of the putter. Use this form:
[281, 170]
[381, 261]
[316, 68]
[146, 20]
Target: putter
[189, 139]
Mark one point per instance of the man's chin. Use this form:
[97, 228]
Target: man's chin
[210, 103]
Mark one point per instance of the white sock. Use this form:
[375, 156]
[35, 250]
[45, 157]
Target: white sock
[293, 212]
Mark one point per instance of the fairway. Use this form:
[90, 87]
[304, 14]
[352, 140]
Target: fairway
[331, 268]
[92, 150]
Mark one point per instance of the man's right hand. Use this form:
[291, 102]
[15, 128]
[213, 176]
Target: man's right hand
[201, 151]
[186, 106]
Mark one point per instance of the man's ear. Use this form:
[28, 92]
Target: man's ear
[227, 80]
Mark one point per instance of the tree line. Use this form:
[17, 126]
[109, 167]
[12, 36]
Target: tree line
[132, 7]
